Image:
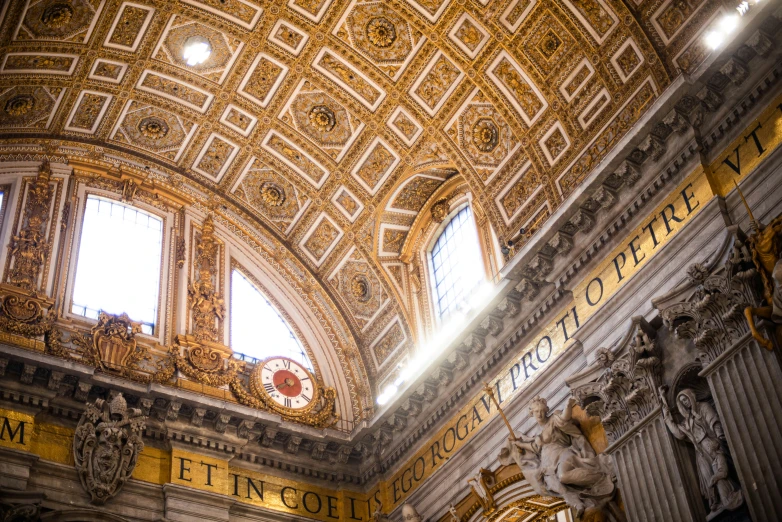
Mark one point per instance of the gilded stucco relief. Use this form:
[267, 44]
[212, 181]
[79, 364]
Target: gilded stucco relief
[311, 116]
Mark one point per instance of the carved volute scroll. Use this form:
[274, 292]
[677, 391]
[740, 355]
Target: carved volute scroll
[206, 303]
[713, 316]
[28, 249]
[625, 390]
[106, 446]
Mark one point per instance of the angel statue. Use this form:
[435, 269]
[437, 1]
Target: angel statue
[702, 428]
[559, 461]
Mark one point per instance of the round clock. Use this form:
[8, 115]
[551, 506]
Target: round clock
[287, 383]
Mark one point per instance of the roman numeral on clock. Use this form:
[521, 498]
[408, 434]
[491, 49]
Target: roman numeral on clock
[288, 402]
[306, 399]
[269, 387]
[286, 364]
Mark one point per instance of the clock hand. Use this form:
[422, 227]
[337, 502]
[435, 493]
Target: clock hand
[287, 382]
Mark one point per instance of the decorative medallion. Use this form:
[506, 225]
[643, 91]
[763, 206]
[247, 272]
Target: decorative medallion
[321, 119]
[153, 130]
[29, 107]
[273, 196]
[380, 35]
[359, 287]
[61, 20]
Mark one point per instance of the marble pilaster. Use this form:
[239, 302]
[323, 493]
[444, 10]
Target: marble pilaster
[655, 483]
[746, 384]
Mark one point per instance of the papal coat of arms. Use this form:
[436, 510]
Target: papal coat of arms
[106, 446]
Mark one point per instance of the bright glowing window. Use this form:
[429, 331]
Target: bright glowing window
[457, 266]
[257, 329]
[118, 268]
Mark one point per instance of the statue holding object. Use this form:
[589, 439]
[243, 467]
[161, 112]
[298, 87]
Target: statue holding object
[765, 243]
[560, 462]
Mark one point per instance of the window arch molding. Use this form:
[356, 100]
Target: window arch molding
[169, 219]
[451, 197]
[313, 332]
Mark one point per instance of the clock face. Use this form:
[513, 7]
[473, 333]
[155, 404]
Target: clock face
[288, 383]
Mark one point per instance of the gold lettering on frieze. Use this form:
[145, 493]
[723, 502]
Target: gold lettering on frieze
[263, 490]
[659, 227]
[758, 141]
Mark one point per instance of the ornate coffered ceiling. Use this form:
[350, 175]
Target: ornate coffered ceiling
[332, 122]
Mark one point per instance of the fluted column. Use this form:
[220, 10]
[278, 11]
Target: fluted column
[746, 384]
[656, 483]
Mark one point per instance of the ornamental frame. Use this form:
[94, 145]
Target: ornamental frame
[163, 320]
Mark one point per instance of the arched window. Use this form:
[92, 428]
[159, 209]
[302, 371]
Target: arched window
[457, 266]
[257, 329]
[118, 268]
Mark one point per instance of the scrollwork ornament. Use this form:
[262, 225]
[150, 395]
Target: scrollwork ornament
[322, 413]
[28, 249]
[106, 446]
[111, 345]
[207, 306]
[210, 365]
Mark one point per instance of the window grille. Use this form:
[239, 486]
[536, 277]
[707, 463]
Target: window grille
[119, 262]
[257, 329]
[457, 266]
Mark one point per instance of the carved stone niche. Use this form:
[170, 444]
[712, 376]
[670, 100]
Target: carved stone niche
[621, 388]
[744, 378]
[106, 446]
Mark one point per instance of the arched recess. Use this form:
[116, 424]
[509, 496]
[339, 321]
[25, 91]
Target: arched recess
[434, 209]
[510, 497]
[298, 305]
[297, 291]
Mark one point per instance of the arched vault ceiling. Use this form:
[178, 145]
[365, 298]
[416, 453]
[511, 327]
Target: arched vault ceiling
[309, 113]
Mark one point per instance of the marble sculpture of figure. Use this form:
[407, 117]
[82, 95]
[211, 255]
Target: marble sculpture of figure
[479, 486]
[702, 428]
[410, 514]
[560, 462]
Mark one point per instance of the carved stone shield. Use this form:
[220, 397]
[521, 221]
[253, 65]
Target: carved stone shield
[106, 446]
[114, 339]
